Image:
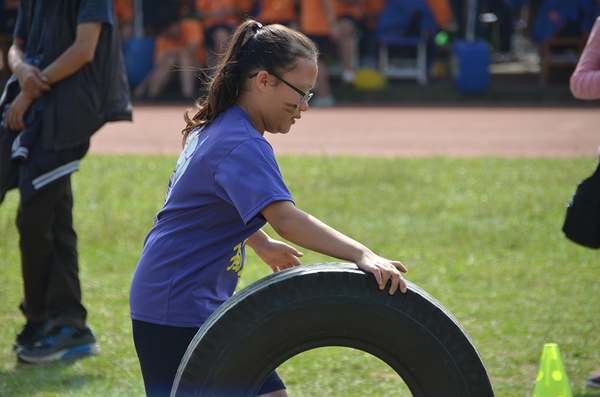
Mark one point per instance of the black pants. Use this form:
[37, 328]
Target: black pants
[160, 349]
[49, 257]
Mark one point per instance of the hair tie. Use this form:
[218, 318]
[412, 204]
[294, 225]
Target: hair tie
[251, 32]
[257, 27]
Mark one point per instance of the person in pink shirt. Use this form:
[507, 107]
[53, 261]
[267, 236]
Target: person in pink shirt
[585, 84]
[585, 81]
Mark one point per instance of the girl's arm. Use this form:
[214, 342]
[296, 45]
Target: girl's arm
[585, 81]
[307, 231]
[278, 255]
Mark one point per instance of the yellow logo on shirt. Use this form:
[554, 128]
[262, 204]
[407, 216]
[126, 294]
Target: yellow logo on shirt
[237, 261]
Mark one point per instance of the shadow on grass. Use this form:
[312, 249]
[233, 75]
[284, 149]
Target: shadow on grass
[588, 392]
[41, 379]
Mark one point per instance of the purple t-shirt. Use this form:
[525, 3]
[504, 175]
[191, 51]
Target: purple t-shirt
[194, 255]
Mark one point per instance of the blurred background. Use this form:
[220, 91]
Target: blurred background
[373, 51]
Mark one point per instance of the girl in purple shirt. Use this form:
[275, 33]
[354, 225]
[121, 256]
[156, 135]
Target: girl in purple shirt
[225, 187]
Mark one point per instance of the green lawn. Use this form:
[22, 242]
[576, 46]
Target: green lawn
[481, 235]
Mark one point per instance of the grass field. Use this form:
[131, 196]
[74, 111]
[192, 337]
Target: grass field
[481, 235]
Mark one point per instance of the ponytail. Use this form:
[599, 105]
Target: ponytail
[274, 48]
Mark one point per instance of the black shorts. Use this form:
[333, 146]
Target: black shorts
[160, 349]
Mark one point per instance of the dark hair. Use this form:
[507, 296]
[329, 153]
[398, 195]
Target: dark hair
[274, 48]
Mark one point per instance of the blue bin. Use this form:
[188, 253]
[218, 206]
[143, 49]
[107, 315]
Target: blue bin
[138, 56]
[471, 64]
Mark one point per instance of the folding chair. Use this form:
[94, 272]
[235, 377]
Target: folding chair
[404, 67]
[405, 23]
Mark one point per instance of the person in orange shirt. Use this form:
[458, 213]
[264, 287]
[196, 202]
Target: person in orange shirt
[179, 47]
[442, 12]
[337, 20]
[124, 13]
[316, 20]
[284, 12]
[219, 18]
[348, 14]
[371, 10]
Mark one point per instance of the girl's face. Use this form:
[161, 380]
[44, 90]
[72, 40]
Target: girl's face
[284, 104]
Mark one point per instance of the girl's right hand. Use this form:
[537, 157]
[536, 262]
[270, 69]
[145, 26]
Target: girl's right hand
[305, 230]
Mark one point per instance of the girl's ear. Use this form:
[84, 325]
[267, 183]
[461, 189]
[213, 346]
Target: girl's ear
[262, 80]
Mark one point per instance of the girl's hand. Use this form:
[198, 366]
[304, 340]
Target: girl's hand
[384, 270]
[15, 115]
[278, 255]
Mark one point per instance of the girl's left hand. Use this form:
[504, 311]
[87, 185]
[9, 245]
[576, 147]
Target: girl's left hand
[278, 255]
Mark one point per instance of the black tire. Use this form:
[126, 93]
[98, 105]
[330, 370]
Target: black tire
[330, 304]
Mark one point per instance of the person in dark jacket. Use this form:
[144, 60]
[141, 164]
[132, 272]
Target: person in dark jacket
[68, 81]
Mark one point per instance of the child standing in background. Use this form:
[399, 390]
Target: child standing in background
[318, 22]
[348, 14]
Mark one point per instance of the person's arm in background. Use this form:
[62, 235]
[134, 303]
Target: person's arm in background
[80, 53]
[585, 81]
[31, 79]
[35, 81]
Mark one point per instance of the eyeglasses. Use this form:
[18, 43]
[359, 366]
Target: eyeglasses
[305, 95]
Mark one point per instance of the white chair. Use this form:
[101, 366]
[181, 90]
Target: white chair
[404, 67]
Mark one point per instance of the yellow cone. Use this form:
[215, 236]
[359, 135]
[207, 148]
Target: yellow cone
[552, 379]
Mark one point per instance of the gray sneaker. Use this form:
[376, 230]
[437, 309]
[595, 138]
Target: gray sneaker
[31, 332]
[61, 343]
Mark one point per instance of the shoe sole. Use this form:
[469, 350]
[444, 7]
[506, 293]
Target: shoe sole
[70, 353]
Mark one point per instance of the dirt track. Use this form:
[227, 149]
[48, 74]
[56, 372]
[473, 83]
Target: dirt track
[388, 131]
